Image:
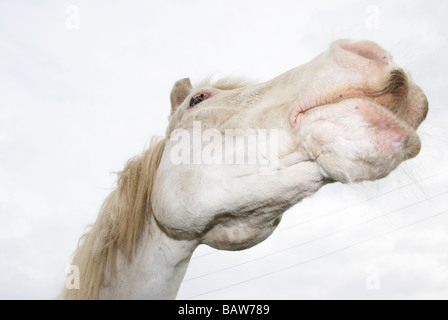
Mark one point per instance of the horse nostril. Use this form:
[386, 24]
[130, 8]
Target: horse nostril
[367, 50]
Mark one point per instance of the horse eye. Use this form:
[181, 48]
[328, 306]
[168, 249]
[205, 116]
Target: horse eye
[197, 99]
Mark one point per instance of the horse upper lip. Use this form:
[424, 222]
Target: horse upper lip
[331, 98]
[394, 90]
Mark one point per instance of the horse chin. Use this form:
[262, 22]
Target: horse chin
[239, 233]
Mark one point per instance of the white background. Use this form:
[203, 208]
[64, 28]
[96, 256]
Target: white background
[79, 95]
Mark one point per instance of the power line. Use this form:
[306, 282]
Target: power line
[340, 209]
[318, 238]
[360, 202]
[325, 255]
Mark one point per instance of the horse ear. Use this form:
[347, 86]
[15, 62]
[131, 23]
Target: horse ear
[181, 89]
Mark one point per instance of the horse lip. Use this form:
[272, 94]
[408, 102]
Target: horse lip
[395, 90]
[332, 98]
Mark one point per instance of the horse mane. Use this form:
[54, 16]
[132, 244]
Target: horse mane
[225, 83]
[119, 225]
[123, 214]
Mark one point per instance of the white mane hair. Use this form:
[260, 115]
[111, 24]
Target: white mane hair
[224, 83]
[123, 214]
[119, 224]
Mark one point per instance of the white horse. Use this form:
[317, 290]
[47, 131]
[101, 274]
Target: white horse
[349, 115]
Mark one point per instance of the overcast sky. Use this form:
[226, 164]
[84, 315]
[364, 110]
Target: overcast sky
[84, 85]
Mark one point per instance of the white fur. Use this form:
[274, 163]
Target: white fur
[348, 115]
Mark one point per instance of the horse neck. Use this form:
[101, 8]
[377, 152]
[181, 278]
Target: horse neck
[157, 269]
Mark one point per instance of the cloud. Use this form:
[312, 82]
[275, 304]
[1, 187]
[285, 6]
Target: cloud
[77, 103]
